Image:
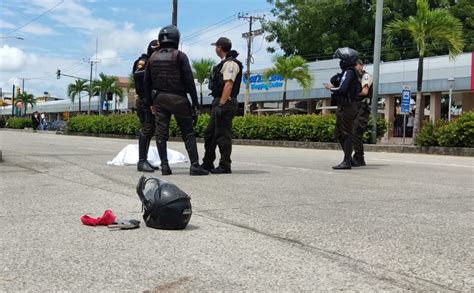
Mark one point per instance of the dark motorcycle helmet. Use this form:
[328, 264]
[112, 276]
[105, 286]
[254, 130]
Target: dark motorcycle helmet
[348, 57]
[166, 206]
[169, 36]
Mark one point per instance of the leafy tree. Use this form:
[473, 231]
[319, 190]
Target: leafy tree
[107, 84]
[201, 70]
[293, 67]
[314, 29]
[75, 89]
[25, 99]
[427, 26]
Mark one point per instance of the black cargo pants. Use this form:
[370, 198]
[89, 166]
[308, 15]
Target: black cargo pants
[219, 134]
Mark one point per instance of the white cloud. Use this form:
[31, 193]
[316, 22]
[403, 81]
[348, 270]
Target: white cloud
[108, 57]
[71, 14]
[38, 29]
[5, 24]
[11, 58]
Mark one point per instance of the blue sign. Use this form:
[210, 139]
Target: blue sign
[257, 82]
[406, 96]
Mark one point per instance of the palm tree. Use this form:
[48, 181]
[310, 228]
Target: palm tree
[293, 67]
[75, 89]
[107, 85]
[202, 71]
[25, 99]
[427, 27]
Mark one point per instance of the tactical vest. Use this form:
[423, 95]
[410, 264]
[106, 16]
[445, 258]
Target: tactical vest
[355, 86]
[139, 76]
[166, 72]
[216, 80]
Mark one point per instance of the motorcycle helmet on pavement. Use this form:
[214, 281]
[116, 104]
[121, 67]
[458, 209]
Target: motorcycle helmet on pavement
[165, 205]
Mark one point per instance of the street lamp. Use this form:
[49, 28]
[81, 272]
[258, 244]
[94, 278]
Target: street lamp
[451, 83]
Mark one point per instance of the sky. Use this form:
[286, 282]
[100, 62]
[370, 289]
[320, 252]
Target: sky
[60, 34]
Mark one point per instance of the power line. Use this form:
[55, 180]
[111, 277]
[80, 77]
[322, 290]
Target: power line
[36, 18]
[220, 33]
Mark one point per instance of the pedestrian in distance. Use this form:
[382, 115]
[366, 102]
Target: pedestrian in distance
[147, 118]
[35, 120]
[168, 80]
[363, 113]
[224, 84]
[347, 96]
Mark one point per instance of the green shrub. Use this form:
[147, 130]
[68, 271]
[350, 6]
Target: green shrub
[457, 133]
[19, 123]
[291, 127]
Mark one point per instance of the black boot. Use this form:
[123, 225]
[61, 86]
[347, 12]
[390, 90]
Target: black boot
[197, 170]
[148, 140]
[144, 166]
[347, 163]
[342, 166]
[163, 152]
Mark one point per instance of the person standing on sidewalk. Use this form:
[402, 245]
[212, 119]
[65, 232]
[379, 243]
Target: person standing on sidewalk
[147, 118]
[168, 80]
[363, 113]
[224, 84]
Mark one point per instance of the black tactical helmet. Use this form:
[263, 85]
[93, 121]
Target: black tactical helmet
[348, 57]
[166, 206]
[169, 35]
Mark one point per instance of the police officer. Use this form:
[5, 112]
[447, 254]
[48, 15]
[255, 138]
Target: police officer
[347, 99]
[147, 119]
[363, 112]
[168, 80]
[224, 84]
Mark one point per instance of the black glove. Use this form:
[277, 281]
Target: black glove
[195, 115]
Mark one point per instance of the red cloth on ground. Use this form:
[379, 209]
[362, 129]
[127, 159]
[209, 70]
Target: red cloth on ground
[107, 218]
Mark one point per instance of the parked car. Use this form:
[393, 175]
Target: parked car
[56, 125]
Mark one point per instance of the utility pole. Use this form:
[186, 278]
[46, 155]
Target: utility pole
[377, 50]
[22, 85]
[92, 62]
[13, 101]
[174, 20]
[249, 36]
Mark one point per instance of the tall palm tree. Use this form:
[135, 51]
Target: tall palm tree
[202, 70]
[75, 89]
[25, 99]
[293, 67]
[427, 27]
[107, 84]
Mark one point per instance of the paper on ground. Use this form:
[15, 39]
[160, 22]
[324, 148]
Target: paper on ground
[129, 156]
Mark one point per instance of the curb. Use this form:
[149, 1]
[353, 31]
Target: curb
[407, 149]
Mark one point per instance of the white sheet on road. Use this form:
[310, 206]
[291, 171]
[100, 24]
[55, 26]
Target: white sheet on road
[129, 156]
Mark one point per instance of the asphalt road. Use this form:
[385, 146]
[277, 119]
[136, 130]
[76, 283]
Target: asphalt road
[283, 221]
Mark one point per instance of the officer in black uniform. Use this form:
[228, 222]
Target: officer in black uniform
[168, 80]
[224, 84]
[363, 113]
[347, 99]
[147, 118]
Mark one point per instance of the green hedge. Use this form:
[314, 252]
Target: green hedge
[457, 133]
[18, 123]
[111, 124]
[292, 127]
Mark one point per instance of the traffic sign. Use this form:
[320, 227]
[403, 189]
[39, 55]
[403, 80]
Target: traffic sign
[406, 96]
